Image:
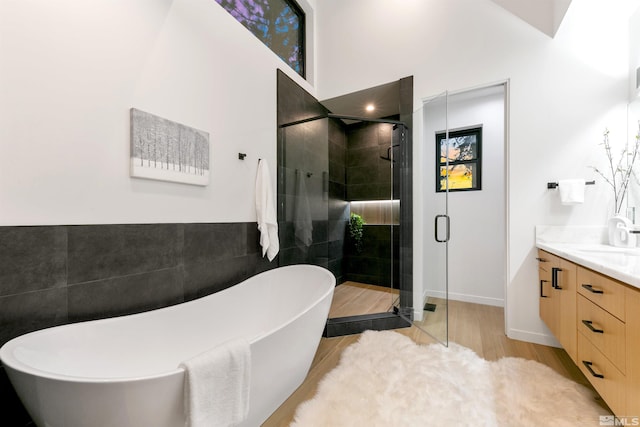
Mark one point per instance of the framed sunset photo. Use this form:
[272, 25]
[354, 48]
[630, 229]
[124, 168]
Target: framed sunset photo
[459, 158]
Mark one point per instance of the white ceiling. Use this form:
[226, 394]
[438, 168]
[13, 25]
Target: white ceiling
[545, 15]
[385, 98]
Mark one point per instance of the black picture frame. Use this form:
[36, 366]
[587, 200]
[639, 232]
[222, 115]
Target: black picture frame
[464, 163]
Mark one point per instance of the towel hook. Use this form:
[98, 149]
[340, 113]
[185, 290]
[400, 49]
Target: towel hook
[241, 156]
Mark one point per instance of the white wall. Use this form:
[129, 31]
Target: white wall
[70, 71]
[477, 246]
[563, 93]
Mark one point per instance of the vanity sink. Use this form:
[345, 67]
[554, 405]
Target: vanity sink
[601, 250]
[610, 250]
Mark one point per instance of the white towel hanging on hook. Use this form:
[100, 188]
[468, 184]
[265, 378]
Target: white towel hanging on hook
[266, 212]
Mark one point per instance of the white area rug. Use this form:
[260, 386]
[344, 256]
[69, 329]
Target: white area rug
[386, 379]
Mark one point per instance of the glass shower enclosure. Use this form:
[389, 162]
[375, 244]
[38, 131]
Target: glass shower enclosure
[333, 170]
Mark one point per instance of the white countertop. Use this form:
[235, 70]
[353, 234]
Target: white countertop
[586, 246]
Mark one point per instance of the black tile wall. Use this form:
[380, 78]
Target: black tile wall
[294, 103]
[97, 252]
[373, 265]
[52, 275]
[208, 277]
[338, 207]
[33, 258]
[368, 175]
[207, 242]
[29, 311]
[313, 151]
[125, 295]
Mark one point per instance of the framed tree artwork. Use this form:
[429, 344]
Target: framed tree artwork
[459, 158]
[165, 150]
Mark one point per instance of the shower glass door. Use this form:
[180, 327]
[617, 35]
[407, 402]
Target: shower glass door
[432, 313]
[303, 192]
[330, 170]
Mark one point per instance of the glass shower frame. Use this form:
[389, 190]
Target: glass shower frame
[303, 155]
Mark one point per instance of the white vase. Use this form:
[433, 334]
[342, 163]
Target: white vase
[619, 232]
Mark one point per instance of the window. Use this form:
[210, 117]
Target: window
[460, 160]
[279, 24]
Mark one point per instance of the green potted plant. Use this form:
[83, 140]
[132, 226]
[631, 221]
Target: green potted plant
[356, 224]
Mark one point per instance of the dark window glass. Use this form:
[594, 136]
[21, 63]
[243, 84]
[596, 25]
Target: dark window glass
[279, 24]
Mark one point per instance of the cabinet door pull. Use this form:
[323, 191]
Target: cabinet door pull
[542, 282]
[554, 278]
[541, 259]
[590, 289]
[589, 324]
[590, 369]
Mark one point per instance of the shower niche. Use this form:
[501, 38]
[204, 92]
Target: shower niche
[336, 160]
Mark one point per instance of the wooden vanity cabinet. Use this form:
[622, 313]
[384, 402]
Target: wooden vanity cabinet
[602, 336]
[605, 343]
[632, 310]
[557, 278]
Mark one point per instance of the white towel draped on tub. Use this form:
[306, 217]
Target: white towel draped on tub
[216, 387]
[571, 191]
[266, 212]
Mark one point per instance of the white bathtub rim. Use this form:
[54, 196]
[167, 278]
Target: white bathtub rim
[9, 360]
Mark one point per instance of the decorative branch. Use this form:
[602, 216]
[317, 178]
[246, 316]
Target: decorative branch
[622, 171]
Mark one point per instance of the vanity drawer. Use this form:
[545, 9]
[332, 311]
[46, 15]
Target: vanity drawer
[604, 331]
[545, 261]
[605, 378]
[602, 290]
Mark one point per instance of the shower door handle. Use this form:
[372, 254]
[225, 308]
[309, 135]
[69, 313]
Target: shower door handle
[447, 229]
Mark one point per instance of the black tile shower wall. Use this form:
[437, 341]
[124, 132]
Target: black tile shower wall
[294, 103]
[377, 263]
[338, 207]
[368, 175]
[304, 154]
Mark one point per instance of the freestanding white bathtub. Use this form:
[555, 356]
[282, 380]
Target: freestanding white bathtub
[123, 371]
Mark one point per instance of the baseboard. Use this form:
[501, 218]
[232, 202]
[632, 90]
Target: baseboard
[533, 337]
[476, 299]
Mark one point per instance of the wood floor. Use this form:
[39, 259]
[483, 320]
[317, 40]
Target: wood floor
[478, 327]
[353, 298]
